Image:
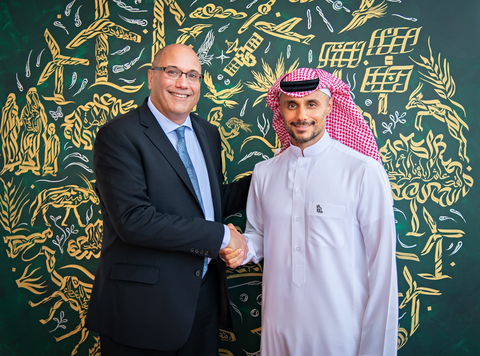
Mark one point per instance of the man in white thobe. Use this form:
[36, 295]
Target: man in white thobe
[320, 214]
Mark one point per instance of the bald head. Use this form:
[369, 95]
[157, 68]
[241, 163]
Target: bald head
[177, 50]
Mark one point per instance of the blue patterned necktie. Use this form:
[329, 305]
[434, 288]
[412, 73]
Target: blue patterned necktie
[187, 162]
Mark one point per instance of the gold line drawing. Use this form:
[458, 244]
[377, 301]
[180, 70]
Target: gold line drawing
[234, 124]
[69, 197]
[444, 85]
[56, 65]
[419, 172]
[221, 97]
[364, 13]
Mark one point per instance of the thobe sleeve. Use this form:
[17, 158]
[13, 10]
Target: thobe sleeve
[375, 215]
[254, 227]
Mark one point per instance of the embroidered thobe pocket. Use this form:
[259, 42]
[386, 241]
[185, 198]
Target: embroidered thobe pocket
[325, 224]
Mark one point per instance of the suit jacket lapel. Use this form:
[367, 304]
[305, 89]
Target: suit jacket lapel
[158, 137]
[212, 175]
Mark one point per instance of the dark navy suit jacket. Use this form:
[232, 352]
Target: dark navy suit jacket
[155, 236]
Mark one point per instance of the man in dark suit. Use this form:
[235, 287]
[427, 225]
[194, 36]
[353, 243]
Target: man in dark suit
[154, 293]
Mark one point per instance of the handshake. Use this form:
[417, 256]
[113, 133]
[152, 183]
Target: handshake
[236, 251]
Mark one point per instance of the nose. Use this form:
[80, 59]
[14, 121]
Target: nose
[301, 113]
[182, 81]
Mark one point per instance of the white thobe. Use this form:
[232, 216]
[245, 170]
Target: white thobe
[323, 222]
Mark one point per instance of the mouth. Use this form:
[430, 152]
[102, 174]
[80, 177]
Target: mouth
[182, 96]
[302, 125]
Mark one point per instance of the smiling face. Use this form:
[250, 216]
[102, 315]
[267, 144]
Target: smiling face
[174, 98]
[304, 118]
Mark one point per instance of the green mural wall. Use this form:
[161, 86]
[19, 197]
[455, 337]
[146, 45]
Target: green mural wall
[69, 66]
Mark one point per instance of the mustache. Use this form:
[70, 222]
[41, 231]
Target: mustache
[302, 123]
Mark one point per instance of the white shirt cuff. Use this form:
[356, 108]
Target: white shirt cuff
[226, 237]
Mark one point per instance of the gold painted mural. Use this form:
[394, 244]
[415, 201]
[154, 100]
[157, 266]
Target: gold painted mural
[70, 66]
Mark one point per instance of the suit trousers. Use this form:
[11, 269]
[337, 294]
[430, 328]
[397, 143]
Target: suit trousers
[203, 339]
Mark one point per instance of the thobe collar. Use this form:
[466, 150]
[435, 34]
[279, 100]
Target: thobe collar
[314, 149]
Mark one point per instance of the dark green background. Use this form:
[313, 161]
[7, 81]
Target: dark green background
[452, 325]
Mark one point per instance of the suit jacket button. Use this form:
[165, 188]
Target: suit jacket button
[197, 251]
[192, 250]
[198, 273]
[201, 252]
[207, 253]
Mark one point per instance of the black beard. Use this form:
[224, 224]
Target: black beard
[303, 140]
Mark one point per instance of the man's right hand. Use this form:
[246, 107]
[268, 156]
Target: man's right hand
[236, 251]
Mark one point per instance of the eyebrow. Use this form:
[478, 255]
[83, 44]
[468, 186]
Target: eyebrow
[295, 101]
[189, 71]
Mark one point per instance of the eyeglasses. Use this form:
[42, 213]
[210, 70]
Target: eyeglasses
[176, 73]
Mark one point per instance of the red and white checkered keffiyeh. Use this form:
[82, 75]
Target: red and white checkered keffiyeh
[344, 123]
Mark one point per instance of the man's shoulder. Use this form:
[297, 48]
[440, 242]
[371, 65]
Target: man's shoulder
[207, 126]
[350, 153]
[201, 121]
[350, 160]
[127, 118]
[271, 163]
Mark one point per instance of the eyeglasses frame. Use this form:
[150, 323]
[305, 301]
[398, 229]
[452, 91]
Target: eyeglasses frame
[200, 76]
